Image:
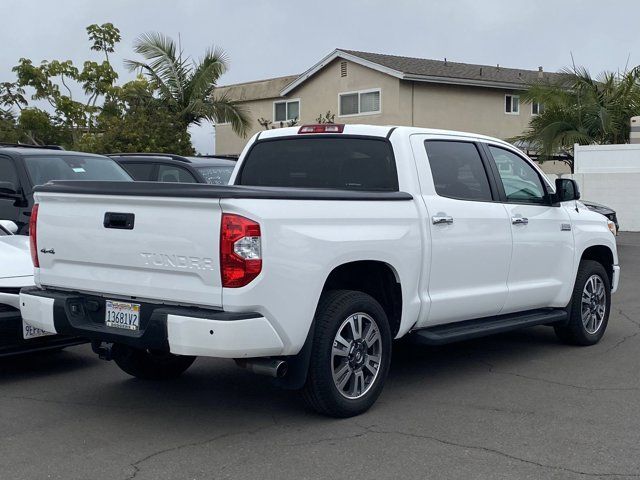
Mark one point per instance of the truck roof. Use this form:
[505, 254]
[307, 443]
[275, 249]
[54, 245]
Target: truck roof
[379, 131]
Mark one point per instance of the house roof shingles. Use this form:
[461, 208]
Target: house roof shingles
[463, 71]
[257, 90]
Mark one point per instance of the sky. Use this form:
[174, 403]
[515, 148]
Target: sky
[266, 39]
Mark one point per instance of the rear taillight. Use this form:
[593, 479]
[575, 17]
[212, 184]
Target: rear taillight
[33, 236]
[240, 250]
[322, 128]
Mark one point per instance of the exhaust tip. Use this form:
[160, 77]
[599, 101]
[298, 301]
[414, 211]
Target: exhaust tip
[265, 366]
[281, 369]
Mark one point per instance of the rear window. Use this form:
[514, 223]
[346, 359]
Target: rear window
[215, 175]
[43, 168]
[344, 163]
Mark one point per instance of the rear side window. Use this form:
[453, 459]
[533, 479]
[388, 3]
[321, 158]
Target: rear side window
[216, 175]
[171, 173]
[458, 171]
[142, 172]
[344, 163]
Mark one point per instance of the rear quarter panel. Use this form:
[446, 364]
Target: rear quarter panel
[303, 241]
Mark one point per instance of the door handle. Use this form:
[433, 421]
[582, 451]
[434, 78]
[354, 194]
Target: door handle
[519, 220]
[121, 221]
[442, 220]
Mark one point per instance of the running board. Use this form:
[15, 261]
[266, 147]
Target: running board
[455, 332]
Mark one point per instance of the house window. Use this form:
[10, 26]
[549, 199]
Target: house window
[512, 104]
[537, 108]
[286, 110]
[360, 103]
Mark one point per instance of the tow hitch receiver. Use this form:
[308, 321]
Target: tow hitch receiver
[103, 349]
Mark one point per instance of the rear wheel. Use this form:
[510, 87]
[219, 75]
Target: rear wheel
[350, 355]
[150, 364]
[590, 306]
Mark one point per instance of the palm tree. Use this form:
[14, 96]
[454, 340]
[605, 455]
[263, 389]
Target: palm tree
[188, 87]
[583, 110]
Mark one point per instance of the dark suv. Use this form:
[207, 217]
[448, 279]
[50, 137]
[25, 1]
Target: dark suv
[22, 167]
[165, 167]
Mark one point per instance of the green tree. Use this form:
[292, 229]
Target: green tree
[134, 120]
[583, 110]
[188, 88]
[104, 38]
[9, 131]
[56, 81]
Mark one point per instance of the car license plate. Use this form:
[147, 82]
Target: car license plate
[122, 315]
[29, 332]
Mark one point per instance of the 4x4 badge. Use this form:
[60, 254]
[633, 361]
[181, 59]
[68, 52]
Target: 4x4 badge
[51, 251]
[565, 227]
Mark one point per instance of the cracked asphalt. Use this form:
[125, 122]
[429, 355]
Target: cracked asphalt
[515, 406]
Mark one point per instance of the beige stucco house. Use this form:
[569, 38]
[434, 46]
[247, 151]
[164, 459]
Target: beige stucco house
[361, 87]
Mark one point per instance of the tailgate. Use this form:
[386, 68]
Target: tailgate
[170, 252]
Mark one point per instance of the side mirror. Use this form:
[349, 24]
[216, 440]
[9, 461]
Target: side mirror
[9, 226]
[566, 190]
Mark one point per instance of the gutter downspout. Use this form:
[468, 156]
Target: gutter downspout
[413, 84]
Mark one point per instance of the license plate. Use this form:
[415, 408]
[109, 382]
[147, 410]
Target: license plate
[32, 332]
[122, 315]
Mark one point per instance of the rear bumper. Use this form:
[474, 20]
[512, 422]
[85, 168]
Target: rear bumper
[179, 330]
[615, 279]
[12, 341]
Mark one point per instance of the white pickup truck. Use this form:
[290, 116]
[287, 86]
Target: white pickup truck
[332, 241]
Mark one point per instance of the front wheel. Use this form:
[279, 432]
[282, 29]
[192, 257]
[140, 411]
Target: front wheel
[589, 307]
[150, 364]
[350, 355]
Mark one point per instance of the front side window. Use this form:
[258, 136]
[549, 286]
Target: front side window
[512, 104]
[343, 163]
[8, 174]
[359, 103]
[286, 110]
[520, 180]
[457, 170]
[46, 167]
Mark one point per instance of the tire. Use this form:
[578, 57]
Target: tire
[587, 322]
[343, 311]
[150, 365]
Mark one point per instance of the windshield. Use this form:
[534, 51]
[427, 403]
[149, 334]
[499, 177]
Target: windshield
[344, 163]
[43, 168]
[216, 175]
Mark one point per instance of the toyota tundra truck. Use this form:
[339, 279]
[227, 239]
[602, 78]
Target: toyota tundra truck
[331, 242]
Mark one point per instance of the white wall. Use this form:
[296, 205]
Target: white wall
[610, 175]
[607, 158]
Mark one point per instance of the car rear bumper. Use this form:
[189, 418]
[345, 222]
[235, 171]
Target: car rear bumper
[13, 343]
[179, 330]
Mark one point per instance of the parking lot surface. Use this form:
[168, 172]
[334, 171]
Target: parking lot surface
[519, 405]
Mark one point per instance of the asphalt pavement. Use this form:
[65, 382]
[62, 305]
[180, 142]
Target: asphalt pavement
[515, 406]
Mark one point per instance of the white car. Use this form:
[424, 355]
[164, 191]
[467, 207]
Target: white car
[16, 272]
[331, 241]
